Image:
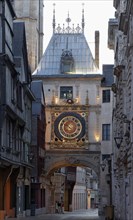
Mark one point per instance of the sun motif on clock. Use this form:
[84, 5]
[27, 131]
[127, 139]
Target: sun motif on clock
[69, 125]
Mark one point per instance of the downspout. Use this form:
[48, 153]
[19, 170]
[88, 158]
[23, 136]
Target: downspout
[39, 31]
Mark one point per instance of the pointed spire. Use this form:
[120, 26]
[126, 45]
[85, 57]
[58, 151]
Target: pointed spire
[67, 44]
[83, 21]
[54, 24]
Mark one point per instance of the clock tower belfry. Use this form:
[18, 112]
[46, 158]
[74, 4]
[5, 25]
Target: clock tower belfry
[72, 91]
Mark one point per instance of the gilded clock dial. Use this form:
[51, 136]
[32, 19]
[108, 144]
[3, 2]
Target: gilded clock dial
[70, 127]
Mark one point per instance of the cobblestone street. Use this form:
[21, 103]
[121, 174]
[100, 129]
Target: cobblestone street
[91, 214]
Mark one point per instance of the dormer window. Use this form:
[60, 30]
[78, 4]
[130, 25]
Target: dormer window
[67, 62]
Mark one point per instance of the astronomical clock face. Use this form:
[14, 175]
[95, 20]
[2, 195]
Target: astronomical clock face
[69, 125]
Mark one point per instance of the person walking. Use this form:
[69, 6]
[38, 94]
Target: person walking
[59, 207]
[62, 205]
[56, 207]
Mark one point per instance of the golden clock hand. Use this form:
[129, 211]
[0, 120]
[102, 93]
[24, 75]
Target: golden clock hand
[69, 127]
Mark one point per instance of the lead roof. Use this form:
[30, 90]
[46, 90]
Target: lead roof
[69, 40]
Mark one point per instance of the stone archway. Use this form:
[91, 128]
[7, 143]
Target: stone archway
[55, 160]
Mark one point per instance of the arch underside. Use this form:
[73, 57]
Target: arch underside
[56, 161]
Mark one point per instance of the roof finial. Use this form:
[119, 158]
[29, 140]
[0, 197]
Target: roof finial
[54, 18]
[68, 20]
[83, 21]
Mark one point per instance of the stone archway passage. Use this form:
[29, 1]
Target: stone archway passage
[55, 160]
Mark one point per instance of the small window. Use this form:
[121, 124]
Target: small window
[9, 133]
[13, 89]
[106, 132]
[66, 92]
[106, 96]
[19, 95]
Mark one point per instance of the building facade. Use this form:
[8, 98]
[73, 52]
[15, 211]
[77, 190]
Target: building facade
[121, 41]
[31, 13]
[106, 133]
[38, 149]
[15, 112]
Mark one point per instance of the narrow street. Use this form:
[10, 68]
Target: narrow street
[76, 215]
[91, 214]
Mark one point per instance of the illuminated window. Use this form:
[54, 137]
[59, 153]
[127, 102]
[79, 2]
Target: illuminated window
[66, 92]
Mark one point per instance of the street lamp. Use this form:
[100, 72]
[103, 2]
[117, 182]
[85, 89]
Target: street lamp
[105, 159]
[30, 156]
[118, 141]
[103, 165]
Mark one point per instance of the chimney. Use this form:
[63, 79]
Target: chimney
[97, 48]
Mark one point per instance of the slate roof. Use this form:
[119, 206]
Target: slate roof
[37, 89]
[20, 48]
[18, 39]
[108, 77]
[74, 42]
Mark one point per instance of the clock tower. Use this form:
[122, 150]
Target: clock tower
[72, 88]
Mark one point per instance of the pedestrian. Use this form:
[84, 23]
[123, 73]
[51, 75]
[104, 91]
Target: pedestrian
[59, 207]
[56, 207]
[62, 205]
